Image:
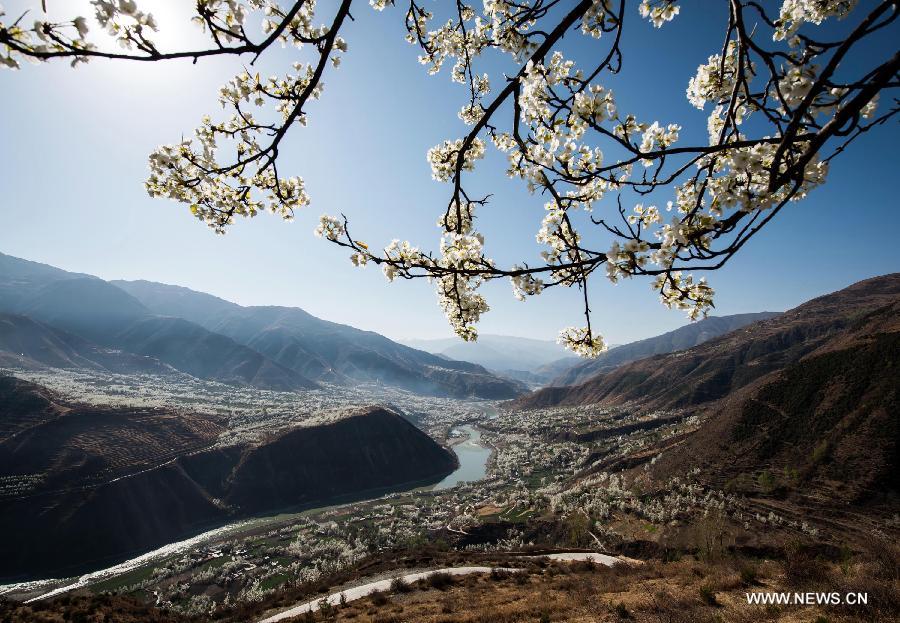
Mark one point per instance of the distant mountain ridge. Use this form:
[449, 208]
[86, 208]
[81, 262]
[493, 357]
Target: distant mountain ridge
[497, 352]
[729, 362]
[76, 320]
[86, 322]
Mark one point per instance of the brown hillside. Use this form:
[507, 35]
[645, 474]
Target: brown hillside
[725, 364]
[822, 431]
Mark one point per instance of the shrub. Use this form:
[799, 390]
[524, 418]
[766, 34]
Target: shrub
[499, 574]
[885, 555]
[440, 580]
[708, 596]
[749, 575]
[584, 566]
[399, 585]
[671, 555]
[801, 567]
[325, 608]
[820, 453]
[621, 611]
[379, 598]
[766, 481]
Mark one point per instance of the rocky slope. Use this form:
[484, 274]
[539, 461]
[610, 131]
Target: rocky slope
[798, 414]
[823, 430]
[85, 486]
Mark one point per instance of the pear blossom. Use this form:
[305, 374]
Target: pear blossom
[778, 114]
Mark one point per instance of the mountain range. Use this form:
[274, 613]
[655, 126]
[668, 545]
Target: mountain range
[501, 353]
[51, 317]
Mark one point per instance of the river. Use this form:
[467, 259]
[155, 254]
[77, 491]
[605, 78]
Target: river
[473, 457]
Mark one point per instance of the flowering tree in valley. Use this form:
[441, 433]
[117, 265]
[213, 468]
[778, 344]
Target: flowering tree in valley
[780, 106]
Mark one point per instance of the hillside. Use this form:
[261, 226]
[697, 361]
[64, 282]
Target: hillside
[682, 338]
[87, 307]
[85, 486]
[57, 319]
[27, 343]
[725, 364]
[681, 591]
[24, 405]
[208, 355]
[21, 279]
[797, 415]
[822, 429]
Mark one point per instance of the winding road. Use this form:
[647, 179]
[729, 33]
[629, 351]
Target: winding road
[364, 590]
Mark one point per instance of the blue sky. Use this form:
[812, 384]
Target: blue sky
[76, 145]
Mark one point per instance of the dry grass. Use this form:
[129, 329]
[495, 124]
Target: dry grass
[685, 591]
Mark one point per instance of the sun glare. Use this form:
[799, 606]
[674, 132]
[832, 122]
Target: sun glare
[175, 29]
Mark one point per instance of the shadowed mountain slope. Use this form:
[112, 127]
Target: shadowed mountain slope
[59, 319]
[87, 307]
[24, 405]
[89, 323]
[205, 354]
[820, 433]
[27, 343]
[84, 486]
[21, 279]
